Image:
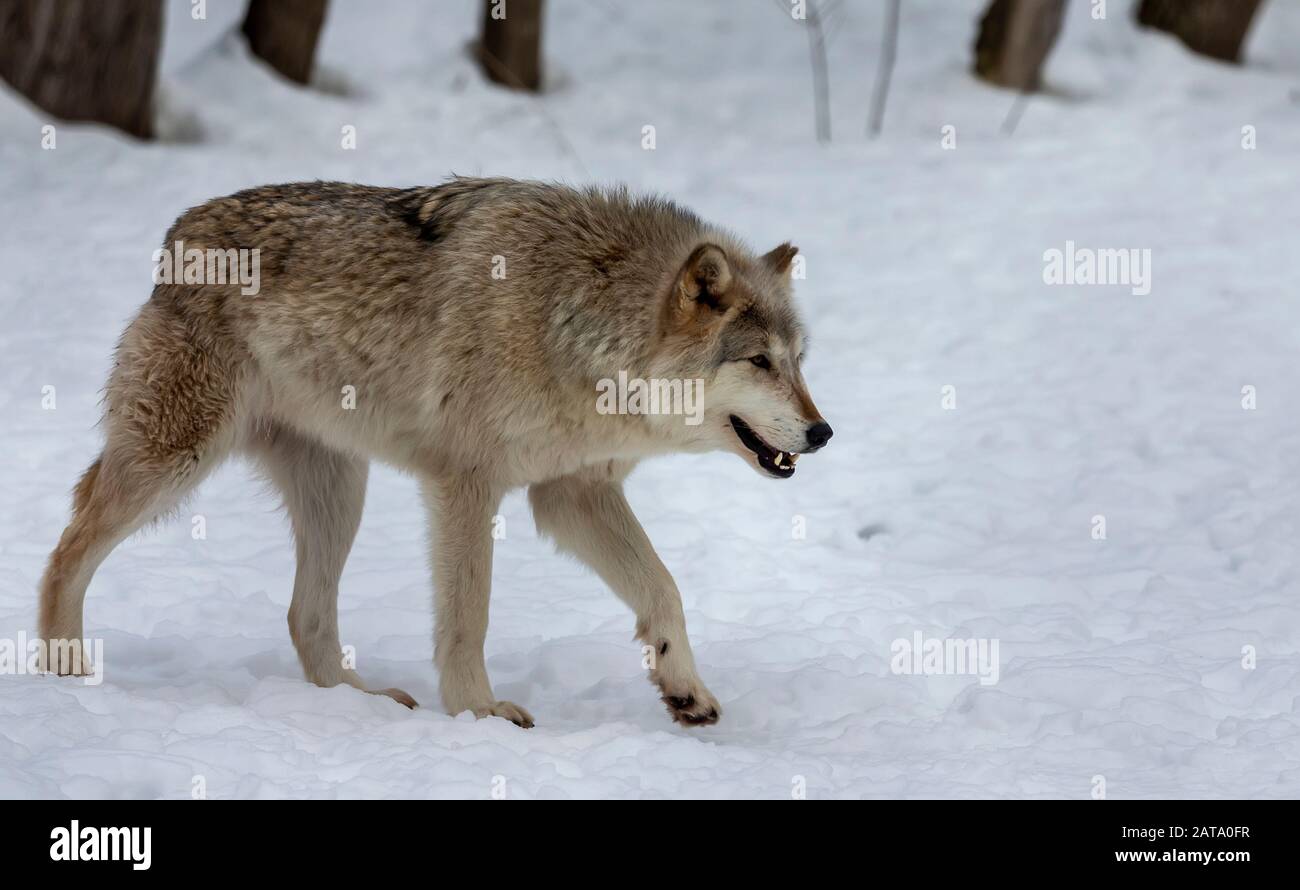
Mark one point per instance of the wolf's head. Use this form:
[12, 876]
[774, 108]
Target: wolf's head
[728, 318]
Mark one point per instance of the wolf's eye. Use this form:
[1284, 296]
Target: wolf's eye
[761, 362]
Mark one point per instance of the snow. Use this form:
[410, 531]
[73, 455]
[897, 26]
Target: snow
[1120, 658]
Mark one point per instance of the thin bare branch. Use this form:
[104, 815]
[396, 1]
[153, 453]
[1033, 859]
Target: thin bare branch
[885, 71]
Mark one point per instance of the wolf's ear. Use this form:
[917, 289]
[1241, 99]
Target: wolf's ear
[706, 278]
[780, 257]
[703, 292]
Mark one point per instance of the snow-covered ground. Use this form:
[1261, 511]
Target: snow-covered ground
[1119, 658]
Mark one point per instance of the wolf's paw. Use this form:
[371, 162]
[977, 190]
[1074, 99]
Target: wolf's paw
[695, 707]
[673, 670]
[398, 696]
[85, 669]
[64, 664]
[509, 710]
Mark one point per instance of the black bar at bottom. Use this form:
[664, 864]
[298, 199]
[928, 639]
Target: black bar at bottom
[321, 837]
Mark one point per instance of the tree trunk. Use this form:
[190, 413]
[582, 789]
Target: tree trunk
[283, 33]
[1014, 39]
[510, 50]
[84, 60]
[1214, 28]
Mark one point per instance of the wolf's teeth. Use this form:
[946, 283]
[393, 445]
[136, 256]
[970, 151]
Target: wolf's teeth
[779, 455]
[793, 457]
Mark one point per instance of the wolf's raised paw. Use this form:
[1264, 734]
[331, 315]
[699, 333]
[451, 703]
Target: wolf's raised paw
[690, 709]
[397, 695]
[509, 710]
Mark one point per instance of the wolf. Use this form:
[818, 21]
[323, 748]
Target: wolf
[458, 333]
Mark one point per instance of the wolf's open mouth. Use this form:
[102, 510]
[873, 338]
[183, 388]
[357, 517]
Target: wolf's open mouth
[778, 463]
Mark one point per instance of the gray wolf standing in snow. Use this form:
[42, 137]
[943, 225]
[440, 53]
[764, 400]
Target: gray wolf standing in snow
[461, 333]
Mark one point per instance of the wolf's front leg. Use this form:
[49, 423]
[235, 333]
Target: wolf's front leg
[461, 512]
[589, 517]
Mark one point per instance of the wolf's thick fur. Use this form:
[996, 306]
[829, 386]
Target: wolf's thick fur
[381, 331]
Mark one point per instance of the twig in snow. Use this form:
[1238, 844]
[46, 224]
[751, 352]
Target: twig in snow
[821, 78]
[812, 20]
[885, 71]
[1015, 113]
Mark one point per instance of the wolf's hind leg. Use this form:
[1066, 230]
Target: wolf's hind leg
[170, 402]
[588, 517]
[118, 493]
[461, 511]
[171, 399]
[324, 491]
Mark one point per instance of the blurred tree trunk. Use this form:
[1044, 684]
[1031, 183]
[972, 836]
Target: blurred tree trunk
[1214, 28]
[1014, 39]
[510, 49]
[283, 33]
[84, 60]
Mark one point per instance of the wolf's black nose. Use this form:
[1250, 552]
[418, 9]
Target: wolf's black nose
[819, 434]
